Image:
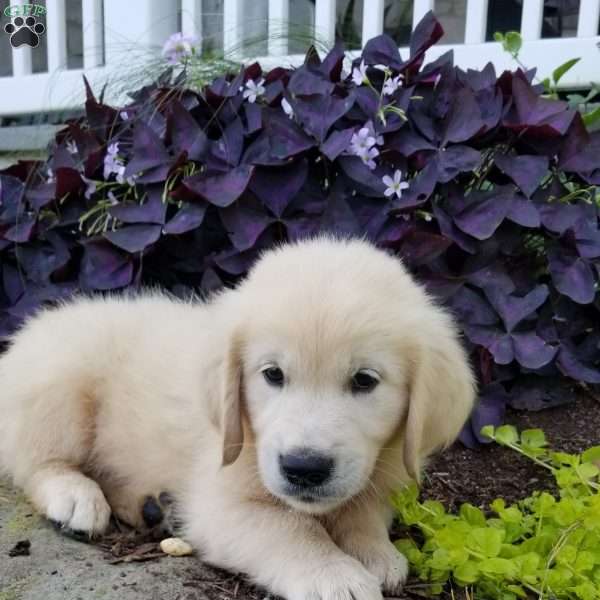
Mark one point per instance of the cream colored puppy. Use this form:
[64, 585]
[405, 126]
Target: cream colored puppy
[280, 415]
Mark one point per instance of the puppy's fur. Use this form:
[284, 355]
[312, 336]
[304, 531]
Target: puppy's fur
[104, 402]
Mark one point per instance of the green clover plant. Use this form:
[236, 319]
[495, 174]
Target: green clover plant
[544, 547]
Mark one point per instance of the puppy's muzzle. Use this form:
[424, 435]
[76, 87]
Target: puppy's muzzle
[306, 469]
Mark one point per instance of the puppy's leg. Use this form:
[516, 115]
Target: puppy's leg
[361, 530]
[69, 498]
[289, 553]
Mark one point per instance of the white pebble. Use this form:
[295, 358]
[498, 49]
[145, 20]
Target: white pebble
[176, 547]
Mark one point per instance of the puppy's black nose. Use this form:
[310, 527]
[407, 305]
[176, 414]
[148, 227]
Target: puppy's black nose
[305, 468]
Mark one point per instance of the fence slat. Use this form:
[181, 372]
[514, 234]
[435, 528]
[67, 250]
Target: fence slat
[56, 20]
[279, 15]
[531, 21]
[589, 17]
[372, 19]
[93, 39]
[233, 13]
[325, 21]
[476, 24]
[191, 18]
[420, 9]
[135, 31]
[21, 57]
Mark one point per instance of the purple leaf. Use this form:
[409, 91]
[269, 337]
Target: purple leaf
[148, 151]
[22, 230]
[104, 267]
[463, 120]
[245, 222]
[188, 217]
[306, 83]
[571, 365]
[337, 142]
[571, 275]
[532, 351]
[318, 113]
[454, 160]
[513, 309]
[490, 409]
[427, 32]
[228, 149]
[382, 50]
[497, 342]
[535, 114]
[525, 170]
[153, 210]
[220, 190]
[134, 238]
[421, 247]
[523, 212]
[185, 132]
[276, 187]
[485, 212]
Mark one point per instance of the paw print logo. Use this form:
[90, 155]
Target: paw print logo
[24, 32]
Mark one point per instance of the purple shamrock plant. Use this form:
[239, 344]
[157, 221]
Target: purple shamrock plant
[485, 188]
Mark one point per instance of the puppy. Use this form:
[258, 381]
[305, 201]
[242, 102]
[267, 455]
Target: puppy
[280, 414]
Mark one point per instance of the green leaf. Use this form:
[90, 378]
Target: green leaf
[485, 541]
[506, 435]
[499, 566]
[498, 36]
[591, 454]
[588, 471]
[466, 573]
[472, 515]
[547, 85]
[512, 42]
[558, 73]
[533, 438]
[487, 431]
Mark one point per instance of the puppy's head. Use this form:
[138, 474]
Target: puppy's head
[338, 356]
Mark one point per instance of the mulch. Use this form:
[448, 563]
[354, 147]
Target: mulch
[456, 476]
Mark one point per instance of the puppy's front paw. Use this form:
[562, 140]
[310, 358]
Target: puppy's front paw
[339, 579]
[73, 502]
[382, 559]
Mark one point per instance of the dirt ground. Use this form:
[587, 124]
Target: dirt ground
[127, 567]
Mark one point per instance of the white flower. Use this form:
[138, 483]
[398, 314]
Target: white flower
[367, 155]
[287, 108]
[113, 149]
[113, 163]
[90, 187]
[395, 185]
[359, 74]
[51, 178]
[178, 47]
[124, 115]
[71, 147]
[254, 89]
[363, 140]
[391, 85]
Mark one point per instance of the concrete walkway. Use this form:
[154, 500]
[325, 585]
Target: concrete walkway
[59, 568]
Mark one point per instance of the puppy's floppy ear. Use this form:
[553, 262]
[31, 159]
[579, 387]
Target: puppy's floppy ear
[231, 416]
[441, 394]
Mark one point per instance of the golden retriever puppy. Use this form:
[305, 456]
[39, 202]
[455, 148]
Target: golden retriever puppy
[280, 415]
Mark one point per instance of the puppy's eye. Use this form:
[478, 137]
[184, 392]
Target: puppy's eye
[273, 375]
[364, 381]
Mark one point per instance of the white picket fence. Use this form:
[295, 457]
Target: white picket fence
[119, 35]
